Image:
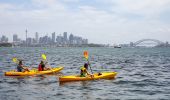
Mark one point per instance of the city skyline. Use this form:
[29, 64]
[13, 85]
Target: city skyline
[70, 40]
[103, 22]
[54, 40]
[27, 34]
[37, 35]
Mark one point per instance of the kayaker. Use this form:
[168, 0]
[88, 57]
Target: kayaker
[21, 68]
[84, 71]
[42, 67]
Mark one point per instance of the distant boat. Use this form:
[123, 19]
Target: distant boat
[117, 46]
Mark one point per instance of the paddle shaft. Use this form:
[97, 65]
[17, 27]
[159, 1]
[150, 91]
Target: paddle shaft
[89, 66]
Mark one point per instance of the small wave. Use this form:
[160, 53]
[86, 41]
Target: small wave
[8, 91]
[146, 92]
[140, 84]
[150, 66]
[12, 82]
[58, 94]
[124, 82]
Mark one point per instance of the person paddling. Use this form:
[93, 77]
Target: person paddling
[21, 68]
[84, 71]
[41, 66]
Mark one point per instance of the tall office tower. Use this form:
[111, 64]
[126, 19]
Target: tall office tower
[36, 37]
[26, 36]
[4, 39]
[71, 39]
[53, 37]
[65, 36]
[15, 38]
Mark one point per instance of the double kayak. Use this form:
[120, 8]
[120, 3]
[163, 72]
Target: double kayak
[33, 72]
[102, 75]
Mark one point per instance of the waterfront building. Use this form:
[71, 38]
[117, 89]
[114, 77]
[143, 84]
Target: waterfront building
[53, 37]
[65, 38]
[85, 41]
[29, 41]
[36, 38]
[15, 38]
[71, 39]
[60, 40]
[4, 39]
[43, 40]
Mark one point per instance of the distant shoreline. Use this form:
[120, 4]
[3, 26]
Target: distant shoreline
[73, 45]
[52, 45]
[5, 44]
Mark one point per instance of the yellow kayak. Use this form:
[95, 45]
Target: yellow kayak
[103, 75]
[33, 72]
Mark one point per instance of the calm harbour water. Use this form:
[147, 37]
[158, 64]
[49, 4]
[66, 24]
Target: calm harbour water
[143, 73]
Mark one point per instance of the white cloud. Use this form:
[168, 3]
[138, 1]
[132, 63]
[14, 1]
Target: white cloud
[117, 24]
[5, 6]
[146, 8]
[48, 4]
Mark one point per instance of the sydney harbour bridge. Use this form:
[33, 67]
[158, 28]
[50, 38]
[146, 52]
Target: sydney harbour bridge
[149, 42]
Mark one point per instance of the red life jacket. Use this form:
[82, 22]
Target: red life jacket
[40, 68]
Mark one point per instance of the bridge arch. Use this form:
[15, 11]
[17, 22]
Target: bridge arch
[144, 40]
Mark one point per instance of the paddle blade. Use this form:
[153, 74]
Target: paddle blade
[15, 60]
[86, 55]
[44, 56]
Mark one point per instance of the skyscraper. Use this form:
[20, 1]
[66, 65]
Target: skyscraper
[53, 37]
[71, 39]
[26, 37]
[85, 41]
[36, 37]
[15, 38]
[65, 36]
[4, 39]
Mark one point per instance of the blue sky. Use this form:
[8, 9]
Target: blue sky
[101, 21]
